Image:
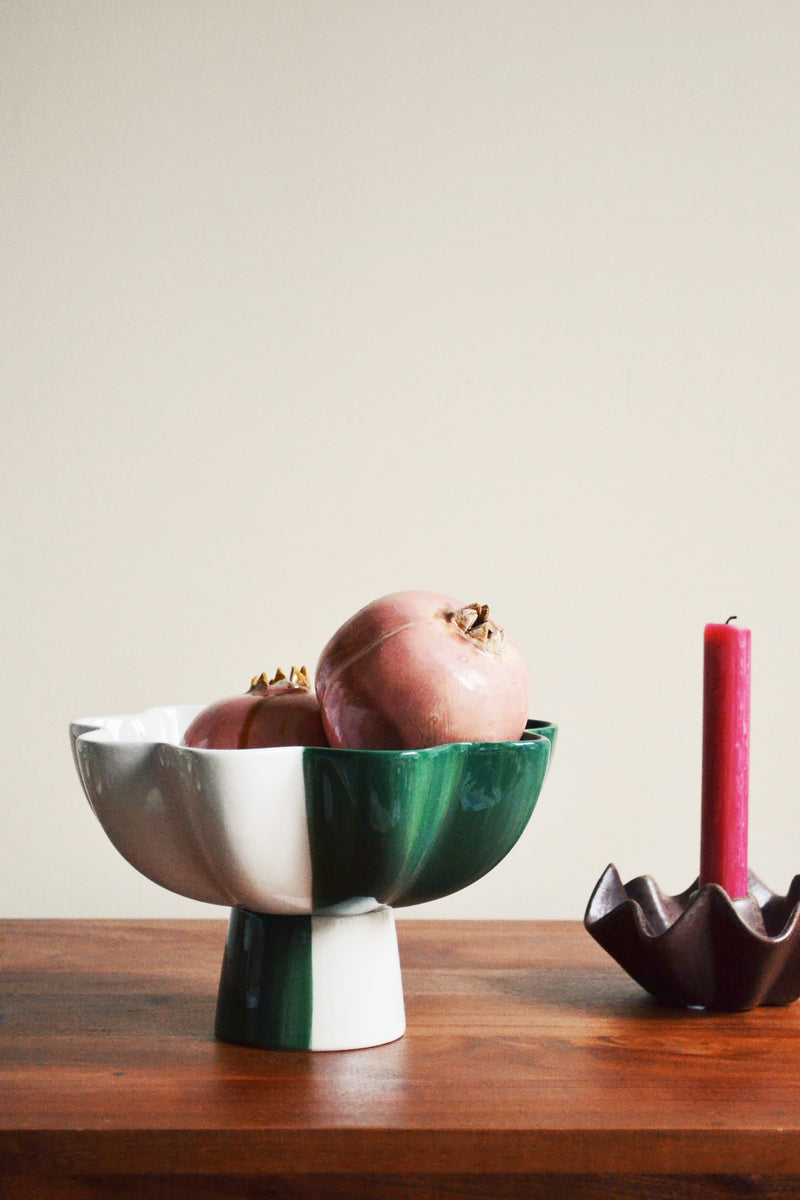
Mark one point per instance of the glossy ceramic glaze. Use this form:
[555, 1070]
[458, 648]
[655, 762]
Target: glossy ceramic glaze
[308, 846]
[297, 830]
[311, 982]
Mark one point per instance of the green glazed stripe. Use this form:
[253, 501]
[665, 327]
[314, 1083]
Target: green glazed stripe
[403, 827]
[411, 826]
[542, 729]
[265, 995]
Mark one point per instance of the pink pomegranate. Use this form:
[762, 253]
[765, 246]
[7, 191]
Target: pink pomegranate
[417, 669]
[274, 712]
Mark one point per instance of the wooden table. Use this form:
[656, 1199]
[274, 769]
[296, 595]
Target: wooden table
[532, 1066]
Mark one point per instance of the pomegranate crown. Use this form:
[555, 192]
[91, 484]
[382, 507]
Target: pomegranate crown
[298, 677]
[473, 621]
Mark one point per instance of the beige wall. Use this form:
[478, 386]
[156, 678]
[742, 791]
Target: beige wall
[307, 302]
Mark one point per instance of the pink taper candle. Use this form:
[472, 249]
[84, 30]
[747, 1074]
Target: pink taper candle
[726, 758]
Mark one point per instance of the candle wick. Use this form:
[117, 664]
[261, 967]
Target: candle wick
[731, 619]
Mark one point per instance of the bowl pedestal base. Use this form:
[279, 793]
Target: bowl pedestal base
[322, 981]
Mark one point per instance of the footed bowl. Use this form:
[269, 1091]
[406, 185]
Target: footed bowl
[312, 848]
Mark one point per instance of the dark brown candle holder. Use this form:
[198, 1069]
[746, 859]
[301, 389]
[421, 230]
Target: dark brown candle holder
[701, 949]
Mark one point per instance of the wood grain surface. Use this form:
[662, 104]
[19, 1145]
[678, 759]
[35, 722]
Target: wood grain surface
[532, 1066]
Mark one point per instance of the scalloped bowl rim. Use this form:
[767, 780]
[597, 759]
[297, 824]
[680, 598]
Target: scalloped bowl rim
[229, 826]
[101, 728]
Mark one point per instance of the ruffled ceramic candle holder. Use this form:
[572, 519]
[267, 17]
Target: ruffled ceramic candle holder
[700, 948]
[312, 849]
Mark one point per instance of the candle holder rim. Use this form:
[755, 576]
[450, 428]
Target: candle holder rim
[705, 954]
[685, 903]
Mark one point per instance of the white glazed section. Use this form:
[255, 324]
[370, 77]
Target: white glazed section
[356, 982]
[222, 826]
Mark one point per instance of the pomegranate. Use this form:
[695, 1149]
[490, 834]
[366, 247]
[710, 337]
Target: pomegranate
[273, 712]
[417, 669]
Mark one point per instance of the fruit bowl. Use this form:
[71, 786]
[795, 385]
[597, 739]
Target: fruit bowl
[312, 848]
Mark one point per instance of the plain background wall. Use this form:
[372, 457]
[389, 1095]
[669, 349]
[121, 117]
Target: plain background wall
[305, 302]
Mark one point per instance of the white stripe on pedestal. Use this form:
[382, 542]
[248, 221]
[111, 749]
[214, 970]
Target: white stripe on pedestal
[356, 983]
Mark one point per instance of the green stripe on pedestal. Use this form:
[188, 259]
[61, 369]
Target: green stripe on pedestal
[265, 991]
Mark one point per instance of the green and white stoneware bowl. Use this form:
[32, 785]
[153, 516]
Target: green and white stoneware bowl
[312, 849]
